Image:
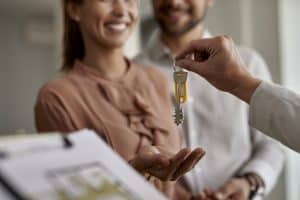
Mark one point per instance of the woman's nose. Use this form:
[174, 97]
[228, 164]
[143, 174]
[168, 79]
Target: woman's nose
[120, 7]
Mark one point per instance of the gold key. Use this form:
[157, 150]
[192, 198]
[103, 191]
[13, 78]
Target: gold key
[180, 84]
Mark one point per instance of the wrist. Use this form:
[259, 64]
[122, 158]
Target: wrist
[247, 87]
[255, 183]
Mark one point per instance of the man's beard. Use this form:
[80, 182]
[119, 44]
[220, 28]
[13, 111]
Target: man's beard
[187, 28]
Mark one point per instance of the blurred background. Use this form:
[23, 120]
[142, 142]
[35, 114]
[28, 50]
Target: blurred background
[30, 37]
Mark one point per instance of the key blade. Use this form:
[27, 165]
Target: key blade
[178, 116]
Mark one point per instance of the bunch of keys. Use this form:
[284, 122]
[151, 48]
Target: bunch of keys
[180, 82]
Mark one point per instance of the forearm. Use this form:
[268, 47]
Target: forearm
[281, 123]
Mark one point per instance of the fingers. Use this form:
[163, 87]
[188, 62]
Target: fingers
[175, 162]
[166, 166]
[153, 156]
[201, 45]
[218, 196]
[194, 66]
[156, 160]
[189, 163]
[206, 46]
[165, 152]
[166, 173]
[145, 161]
[151, 149]
[206, 194]
[178, 159]
[180, 156]
[225, 192]
[202, 196]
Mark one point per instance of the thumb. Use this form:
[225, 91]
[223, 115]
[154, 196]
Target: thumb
[194, 66]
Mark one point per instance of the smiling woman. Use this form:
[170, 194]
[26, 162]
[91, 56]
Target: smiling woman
[86, 23]
[126, 104]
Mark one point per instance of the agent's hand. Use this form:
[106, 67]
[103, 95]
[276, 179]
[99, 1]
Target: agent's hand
[206, 194]
[219, 62]
[235, 189]
[167, 166]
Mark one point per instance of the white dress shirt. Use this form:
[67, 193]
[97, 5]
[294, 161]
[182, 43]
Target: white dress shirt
[276, 111]
[218, 122]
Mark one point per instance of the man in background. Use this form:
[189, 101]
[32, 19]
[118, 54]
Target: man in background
[240, 163]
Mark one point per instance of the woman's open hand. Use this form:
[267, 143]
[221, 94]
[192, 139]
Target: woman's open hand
[165, 165]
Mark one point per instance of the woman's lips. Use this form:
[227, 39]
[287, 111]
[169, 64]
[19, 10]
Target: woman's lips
[117, 27]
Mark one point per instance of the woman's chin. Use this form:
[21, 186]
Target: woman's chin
[116, 41]
[115, 44]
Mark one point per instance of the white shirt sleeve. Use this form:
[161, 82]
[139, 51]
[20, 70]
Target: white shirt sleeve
[276, 111]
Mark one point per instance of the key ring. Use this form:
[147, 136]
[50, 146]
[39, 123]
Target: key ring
[176, 68]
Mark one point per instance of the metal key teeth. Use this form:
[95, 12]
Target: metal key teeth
[178, 116]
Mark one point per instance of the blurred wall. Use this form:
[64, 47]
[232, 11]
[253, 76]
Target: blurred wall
[24, 67]
[253, 23]
[290, 45]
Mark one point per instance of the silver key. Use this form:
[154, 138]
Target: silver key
[178, 116]
[180, 79]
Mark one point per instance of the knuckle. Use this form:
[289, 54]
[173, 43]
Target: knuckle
[224, 41]
[227, 37]
[195, 43]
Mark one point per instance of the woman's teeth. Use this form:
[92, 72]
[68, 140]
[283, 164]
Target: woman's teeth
[117, 27]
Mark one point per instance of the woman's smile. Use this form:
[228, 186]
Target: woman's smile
[117, 26]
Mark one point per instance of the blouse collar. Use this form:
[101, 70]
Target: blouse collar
[83, 69]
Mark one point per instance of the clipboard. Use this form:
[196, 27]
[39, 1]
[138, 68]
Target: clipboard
[78, 166]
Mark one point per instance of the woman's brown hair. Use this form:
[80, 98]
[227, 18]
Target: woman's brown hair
[73, 47]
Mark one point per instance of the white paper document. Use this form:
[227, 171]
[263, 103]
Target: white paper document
[81, 167]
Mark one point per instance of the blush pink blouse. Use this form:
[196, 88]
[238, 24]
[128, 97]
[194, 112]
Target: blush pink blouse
[127, 113]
